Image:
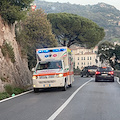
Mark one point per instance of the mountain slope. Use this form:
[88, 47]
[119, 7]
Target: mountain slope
[17, 72]
[104, 15]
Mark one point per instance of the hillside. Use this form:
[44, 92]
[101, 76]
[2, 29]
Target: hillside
[104, 15]
[13, 66]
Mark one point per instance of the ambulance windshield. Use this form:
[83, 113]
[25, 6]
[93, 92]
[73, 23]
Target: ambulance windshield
[49, 65]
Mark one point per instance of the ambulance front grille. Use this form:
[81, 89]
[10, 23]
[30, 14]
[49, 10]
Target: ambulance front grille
[48, 76]
[52, 81]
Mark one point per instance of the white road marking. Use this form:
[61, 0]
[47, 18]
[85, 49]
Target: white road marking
[15, 96]
[56, 113]
[118, 80]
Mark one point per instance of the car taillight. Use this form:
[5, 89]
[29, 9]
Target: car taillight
[88, 70]
[111, 72]
[97, 72]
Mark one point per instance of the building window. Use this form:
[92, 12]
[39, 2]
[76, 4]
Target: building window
[78, 63]
[82, 63]
[81, 58]
[78, 58]
[87, 58]
[88, 63]
[90, 58]
[84, 58]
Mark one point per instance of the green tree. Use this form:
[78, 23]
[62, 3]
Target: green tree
[117, 52]
[70, 29]
[36, 33]
[106, 52]
[117, 56]
[14, 10]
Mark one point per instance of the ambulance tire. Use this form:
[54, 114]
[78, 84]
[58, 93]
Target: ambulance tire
[36, 90]
[65, 86]
[70, 85]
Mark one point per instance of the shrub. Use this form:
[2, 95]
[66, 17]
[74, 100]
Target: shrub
[77, 71]
[3, 79]
[8, 50]
[9, 89]
[4, 95]
[17, 90]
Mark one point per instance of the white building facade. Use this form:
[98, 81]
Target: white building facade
[85, 57]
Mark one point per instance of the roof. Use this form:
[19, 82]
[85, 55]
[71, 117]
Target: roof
[76, 47]
[86, 53]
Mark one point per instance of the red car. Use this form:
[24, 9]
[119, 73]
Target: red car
[104, 74]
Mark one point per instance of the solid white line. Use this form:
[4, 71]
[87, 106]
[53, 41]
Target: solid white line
[118, 80]
[15, 96]
[56, 113]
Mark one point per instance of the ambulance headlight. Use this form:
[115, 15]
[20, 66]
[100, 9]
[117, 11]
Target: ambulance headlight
[60, 75]
[34, 77]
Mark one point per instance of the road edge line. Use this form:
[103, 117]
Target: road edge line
[15, 96]
[118, 80]
[57, 112]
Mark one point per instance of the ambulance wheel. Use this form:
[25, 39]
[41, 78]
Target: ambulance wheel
[36, 90]
[65, 86]
[70, 85]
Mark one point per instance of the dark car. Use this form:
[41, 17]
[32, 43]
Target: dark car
[88, 71]
[104, 74]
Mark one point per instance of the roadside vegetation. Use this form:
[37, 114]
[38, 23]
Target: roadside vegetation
[14, 10]
[11, 91]
[35, 33]
[7, 51]
[110, 54]
[73, 29]
[77, 71]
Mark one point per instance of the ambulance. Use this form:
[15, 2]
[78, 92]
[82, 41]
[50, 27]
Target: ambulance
[54, 68]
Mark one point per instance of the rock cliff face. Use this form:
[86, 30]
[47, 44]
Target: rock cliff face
[16, 73]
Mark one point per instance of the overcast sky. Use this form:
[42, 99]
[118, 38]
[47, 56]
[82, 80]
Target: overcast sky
[115, 3]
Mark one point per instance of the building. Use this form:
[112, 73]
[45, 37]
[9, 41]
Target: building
[85, 57]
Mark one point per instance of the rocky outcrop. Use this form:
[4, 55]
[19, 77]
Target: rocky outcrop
[16, 73]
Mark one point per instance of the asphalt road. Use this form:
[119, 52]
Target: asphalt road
[93, 101]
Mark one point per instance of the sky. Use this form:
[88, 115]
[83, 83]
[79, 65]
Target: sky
[115, 3]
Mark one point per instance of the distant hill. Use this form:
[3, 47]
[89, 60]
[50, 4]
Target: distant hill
[104, 15]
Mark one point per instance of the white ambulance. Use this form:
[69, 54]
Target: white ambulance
[54, 68]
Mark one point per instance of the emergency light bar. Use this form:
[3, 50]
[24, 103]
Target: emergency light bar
[54, 50]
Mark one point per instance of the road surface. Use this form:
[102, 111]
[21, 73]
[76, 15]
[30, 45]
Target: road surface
[85, 100]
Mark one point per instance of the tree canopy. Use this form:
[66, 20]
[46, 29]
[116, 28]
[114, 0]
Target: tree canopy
[109, 53]
[14, 10]
[70, 29]
[36, 33]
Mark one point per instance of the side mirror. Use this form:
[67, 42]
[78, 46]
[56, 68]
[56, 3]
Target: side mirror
[112, 68]
[33, 69]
